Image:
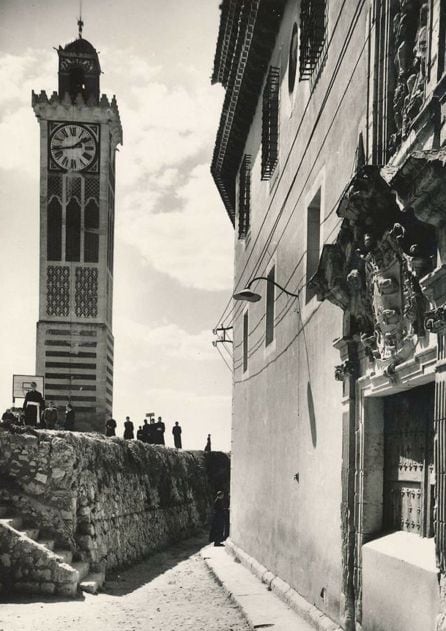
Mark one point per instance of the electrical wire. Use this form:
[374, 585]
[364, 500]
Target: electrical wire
[324, 102]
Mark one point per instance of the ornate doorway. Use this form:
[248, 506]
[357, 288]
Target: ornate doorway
[408, 461]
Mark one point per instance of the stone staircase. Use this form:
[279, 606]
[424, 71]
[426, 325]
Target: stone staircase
[31, 562]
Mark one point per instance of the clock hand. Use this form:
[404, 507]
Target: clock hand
[78, 144]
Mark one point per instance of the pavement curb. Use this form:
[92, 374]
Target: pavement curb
[287, 595]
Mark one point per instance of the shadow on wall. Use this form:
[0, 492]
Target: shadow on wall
[311, 414]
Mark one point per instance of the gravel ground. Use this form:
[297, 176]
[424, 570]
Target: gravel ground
[170, 591]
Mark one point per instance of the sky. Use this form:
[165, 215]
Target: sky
[173, 264]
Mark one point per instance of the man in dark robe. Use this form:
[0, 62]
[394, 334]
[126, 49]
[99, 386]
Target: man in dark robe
[151, 432]
[110, 427]
[176, 431]
[50, 416]
[33, 405]
[128, 429]
[208, 443]
[218, 520]
[160, 428]
[69, 418]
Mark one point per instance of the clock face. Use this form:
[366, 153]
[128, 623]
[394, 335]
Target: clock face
[73, 147]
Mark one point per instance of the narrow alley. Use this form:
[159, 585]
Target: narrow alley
[171, 591]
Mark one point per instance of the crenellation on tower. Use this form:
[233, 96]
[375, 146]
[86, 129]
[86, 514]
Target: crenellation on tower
[79, 132]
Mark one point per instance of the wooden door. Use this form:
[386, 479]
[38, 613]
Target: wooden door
[408, 461]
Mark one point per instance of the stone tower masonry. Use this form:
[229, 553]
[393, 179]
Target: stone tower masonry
[79, 133]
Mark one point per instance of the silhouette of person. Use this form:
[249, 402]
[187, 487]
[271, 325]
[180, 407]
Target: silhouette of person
[49, 418]
[128, 428]
[208, 444]
[160, 428]
[140, 434]
[216, 533]
[151, 432]
[110, 427]
[176, 431]
[69, 417]
[33, 405]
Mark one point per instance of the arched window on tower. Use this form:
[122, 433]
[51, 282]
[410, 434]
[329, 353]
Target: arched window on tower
[54, 230]
[91, 240]
[77, 82]
[73, 231]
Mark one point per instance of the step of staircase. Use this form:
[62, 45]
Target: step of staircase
[82, 567]
[93, 582]
[65, 555]
[12, 522]
[32, 533]
[48, 543]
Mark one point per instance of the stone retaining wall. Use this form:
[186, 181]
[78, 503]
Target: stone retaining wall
[110, 501]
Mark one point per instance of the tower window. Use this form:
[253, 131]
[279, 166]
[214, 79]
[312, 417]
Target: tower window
[270, 123]
[245, 340]
[77, 82]
[91, 240]
[270, 298]
[313, 241]
[244, 205]
[313, 30]
[54, 231]
[73, 231]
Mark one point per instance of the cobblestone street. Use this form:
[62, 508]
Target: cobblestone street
[171, 591]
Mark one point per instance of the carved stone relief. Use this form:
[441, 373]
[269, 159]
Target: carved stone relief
[372, 272]
[410, 60]
[86, 292]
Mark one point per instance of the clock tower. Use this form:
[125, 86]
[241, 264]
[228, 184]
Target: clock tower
[79, 133]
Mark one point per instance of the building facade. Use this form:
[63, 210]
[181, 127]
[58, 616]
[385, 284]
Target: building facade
[79, 133]
[329, 160]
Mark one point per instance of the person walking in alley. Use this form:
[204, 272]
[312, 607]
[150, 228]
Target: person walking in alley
[33, 405]
[216, 533]
[176, 431]
[110, 427]
[69, 417]
[128, 429]
[208, 444]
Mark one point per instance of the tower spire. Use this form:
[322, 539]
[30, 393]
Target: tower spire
[80, 22]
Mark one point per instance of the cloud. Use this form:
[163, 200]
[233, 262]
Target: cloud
[188, 242]
[167, 340]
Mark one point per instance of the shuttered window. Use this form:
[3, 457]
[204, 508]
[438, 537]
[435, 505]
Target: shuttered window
[313, 30]
[244, 198]
[270, 123]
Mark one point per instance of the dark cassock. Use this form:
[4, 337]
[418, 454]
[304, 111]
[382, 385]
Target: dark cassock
[32, 407]
[218, 520]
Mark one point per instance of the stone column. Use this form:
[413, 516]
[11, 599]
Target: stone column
[347, 373]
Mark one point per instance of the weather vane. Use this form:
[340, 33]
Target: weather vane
[80, 22]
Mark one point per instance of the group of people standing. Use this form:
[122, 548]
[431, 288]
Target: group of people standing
[36, 414]
[150, 432]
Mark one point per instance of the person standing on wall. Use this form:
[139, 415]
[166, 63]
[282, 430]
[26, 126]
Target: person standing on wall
[49, 418]
[110, 427]
[176, 431]
[69, 417]
[151, 432]
[208, 444]
[160, 428]
[128, 429]
[33, 405]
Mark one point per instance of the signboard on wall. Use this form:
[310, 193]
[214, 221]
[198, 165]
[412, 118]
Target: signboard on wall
[21, 384]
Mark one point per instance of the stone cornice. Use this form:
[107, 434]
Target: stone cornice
[56, 108]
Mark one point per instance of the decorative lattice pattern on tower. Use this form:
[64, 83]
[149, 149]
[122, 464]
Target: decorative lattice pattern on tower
[86, 292]
[55, 186]
[91, 189]
[74, 188]
[58, 290]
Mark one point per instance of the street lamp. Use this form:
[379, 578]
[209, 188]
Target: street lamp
[251, 296]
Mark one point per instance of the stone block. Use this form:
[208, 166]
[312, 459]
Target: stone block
[47, 588]
[5, 560]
